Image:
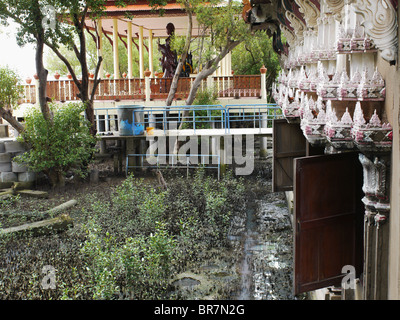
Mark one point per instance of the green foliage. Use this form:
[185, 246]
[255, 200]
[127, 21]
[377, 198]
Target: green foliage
[111, 254]
[144, 235]
[66, 144]
[256, 51]
[10, 91]
[223, 22]
[204, 97]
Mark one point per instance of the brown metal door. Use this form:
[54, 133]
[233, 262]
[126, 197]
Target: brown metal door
[288, 143]
[328, 217]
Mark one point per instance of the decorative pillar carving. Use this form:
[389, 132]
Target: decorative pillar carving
[336, 7]
[376, 188]
[310, 12]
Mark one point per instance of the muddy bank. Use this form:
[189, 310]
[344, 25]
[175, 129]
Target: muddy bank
[257, 265]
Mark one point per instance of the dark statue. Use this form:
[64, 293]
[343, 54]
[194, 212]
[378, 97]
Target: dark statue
[169, 59]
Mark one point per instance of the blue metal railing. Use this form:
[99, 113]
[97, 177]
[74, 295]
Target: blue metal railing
[253, 115]
[191, 117]
[197, 117]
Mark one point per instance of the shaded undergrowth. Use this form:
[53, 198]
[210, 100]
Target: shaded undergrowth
[127, 243]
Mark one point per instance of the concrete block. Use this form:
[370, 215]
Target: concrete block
[4, 133]
[5, 157]
[8, 177]
[18, 167]
[5, 167]
[2, 147]
[14, 146]
[27, 177]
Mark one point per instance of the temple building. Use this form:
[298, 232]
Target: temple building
[338, 148]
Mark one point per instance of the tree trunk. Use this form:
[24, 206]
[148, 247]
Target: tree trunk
[42, 74]
[7, 115]
[83, 86]
[40, 228]
[56, 178]
[175, 79]
[208, 70]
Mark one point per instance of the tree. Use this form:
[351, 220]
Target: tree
[39, 23]
[71, 147]
[253, 53]
[10, 92]
[221, 23]
[30, 17]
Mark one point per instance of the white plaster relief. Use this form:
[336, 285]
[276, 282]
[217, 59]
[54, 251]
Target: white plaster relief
[380, 23]
[310, 11]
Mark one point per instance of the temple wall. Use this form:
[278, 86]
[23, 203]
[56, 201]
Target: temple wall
[392, 77]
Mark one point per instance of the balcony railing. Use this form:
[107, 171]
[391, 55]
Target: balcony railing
[239, 86]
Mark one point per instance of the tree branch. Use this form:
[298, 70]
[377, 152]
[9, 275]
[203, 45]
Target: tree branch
[67, 64]
[96, 79]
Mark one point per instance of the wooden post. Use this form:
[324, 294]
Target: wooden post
[100, 45]
[141, 53]
[115, 49]
[130, 66]
[151, 66]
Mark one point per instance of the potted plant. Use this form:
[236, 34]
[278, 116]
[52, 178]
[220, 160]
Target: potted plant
[147, 73]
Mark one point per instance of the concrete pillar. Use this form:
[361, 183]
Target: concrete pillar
[147, 89]
[263, 88]
[223, 67]
[100, 45]
[229, 68]
[37, 91]
[115, 49]
[152, 120]
[141, 53]
[130, 66]
[263, 72]
[264, 140]
[151, 66]
[210, 82]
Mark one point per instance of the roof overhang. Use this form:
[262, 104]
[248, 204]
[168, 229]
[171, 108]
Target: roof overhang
[141, 14]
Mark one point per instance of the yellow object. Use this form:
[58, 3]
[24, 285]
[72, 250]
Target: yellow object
[149, 130]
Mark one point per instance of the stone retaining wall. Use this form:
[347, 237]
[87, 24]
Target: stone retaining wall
[11, 171]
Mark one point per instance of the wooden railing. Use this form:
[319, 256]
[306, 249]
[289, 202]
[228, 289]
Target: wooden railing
[157, 89]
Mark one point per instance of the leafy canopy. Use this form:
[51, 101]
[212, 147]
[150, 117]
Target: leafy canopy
[66, 144]
[10, 91]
